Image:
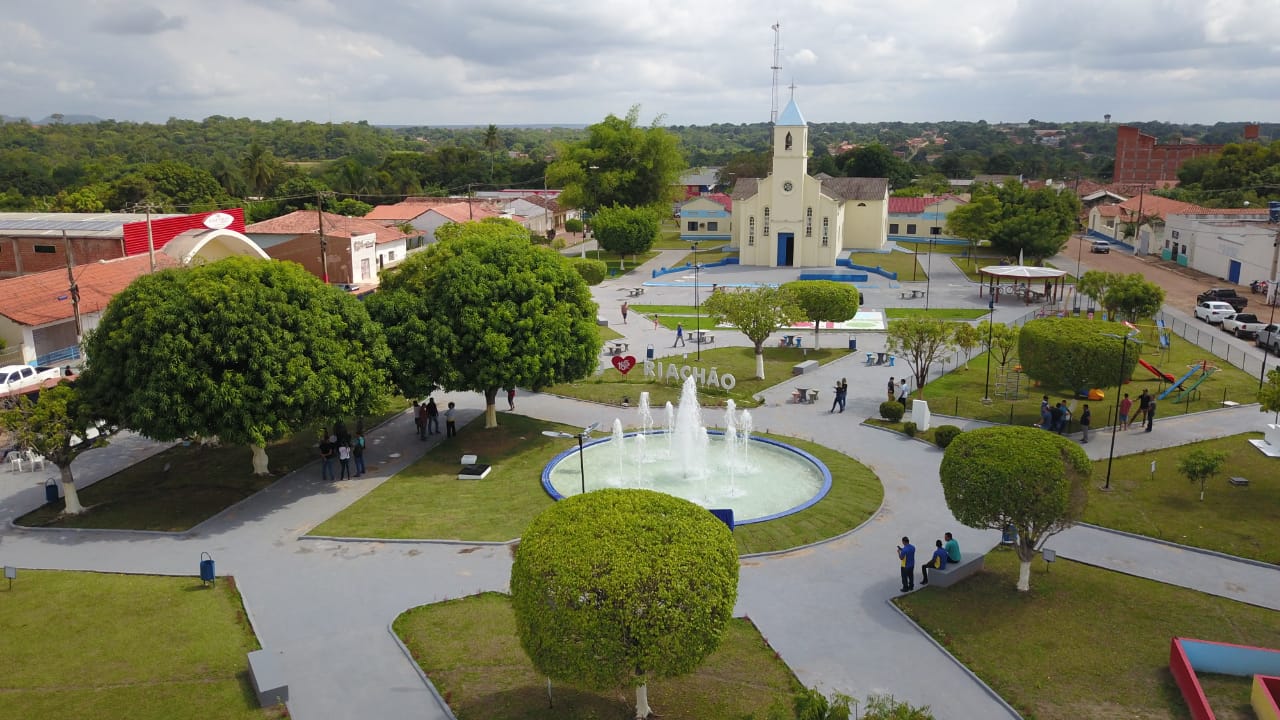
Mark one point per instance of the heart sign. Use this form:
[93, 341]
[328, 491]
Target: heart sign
[624, 364]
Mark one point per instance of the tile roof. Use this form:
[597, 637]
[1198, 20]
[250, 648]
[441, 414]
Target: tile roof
[907, 205]
[721, 198]
[464, 211]
[304, 222]
[855, 188]
[42, 298]
[1156, 206]
[542, 202]
[744, 188]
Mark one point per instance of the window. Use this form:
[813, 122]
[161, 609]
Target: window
[713, 225]
[764, 230]
[893, 228]
[391, 256]
[1166, 244]
[808, 222]
[826, 223]
[751, 230]
[364, 269]
[693, 226]
[935, 230]
[911, 229]
[788, 143]
[1175, 234]
[46, 249]
[1184, 249]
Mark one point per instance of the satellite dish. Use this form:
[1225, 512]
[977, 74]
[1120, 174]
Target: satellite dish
[218, 220]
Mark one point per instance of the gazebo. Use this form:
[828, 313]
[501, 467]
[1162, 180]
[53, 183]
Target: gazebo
[1022, 278]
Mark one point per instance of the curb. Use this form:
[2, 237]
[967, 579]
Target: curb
[410, 541]
[903, 435]
[444, 706]
[1180, 546]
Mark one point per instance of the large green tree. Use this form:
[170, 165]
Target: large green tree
[877, 161]
[615, 587]
[482, 309]
[921, 341]
[757, 312]
[625, 230]
[59, 426]
[1035, 223]
[1076, 354]
[1024, 477]
[1132, 296]
[974, 221]
[619, 163]
[824, 301]
[245, 349]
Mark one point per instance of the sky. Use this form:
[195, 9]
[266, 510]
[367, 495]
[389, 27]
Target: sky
[512, 62]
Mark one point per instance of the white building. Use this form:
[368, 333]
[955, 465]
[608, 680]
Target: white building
[1237, 245]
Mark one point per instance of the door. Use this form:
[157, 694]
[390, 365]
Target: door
[786, 249]
[1233, 271]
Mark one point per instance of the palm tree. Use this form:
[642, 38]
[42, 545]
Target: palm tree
[491, 144]
[259, 167]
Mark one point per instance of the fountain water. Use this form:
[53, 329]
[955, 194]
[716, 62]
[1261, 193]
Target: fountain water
[758, 478]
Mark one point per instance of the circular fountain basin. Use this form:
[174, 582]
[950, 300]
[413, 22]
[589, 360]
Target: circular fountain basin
[771, 480]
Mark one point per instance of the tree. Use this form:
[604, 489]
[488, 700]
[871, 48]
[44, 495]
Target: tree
[996, 477]
[57, 425]
[1133, 297]
[482, 309]
[614, 587]
[877, 161]
[920, 341]
[1269, 394]
[619, 163]
[974, 221]
[591, 270]
[1094, 283]
[1000, 340]
[350, 207]
[1200, 465]
[1076, 354]
[625, 230]
[245, 349]
[965, 337]
[259, 167]
[757, 312]
[824, 301]
[491, 143]
[1037, 222]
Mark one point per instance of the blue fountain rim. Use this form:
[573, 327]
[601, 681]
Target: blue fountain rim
[822, 467]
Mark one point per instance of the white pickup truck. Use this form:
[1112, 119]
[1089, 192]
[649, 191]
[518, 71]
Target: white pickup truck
[1242, 325]
[20, 379]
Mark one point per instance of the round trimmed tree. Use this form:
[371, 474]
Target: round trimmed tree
[1076, 354]
[824, 301]
[1034, 480]
[614, 587]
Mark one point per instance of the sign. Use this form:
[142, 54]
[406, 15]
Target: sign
[673, 373]
[624, 365]
[218, 221]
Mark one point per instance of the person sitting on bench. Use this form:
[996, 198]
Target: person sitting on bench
[952, 548]
[937, 562]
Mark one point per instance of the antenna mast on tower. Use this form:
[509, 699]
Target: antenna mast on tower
[777, 68]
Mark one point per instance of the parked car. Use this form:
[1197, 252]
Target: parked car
[19, 379]
[1268, 338]
[1213, 311]
[1100, 246]
[1242, 324]
[1226, 295]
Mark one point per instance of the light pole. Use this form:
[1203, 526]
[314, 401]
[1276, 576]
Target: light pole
[1115, 423]
[582, 463]
[697, 308]
[1273, 292]
[991, 325]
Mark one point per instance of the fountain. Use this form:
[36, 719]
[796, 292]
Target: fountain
[760, 479]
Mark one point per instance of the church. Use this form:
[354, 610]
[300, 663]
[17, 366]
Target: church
[791, 219]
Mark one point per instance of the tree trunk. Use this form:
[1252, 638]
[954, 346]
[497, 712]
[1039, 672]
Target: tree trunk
[642, 702]
[760, 361]
[491, 407]
[69, 492]
[815, 335]
[259, 459]
[1024, 575]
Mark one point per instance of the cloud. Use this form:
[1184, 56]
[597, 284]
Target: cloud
[137, 20]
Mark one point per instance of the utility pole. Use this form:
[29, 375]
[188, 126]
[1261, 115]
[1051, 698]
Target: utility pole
[151, 244]
[75, 292]
[324, 243]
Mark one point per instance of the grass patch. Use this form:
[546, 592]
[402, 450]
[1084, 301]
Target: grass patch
[960, 392]
[1084, 642]
[181, 487]
[926, 435]
[426, 500]
[140, 647]
[935, 313]
[705, 257]
[665, 309]
[619, 265]
[905, 264]
[608, 333]
[1234, 520]
[470, 650]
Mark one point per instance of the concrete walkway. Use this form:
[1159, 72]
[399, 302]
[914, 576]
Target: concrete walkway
[325, 605]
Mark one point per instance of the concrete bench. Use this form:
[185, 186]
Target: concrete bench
[955, 572]
[268, 678]
[801, 368]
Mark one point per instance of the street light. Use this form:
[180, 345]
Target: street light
[1115, 423]
[697, 308]
[586, 433]
[991, 325]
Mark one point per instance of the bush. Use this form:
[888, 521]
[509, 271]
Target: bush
[1075, 354]
[593, 271]
[573, 225]
[910, 428]
[944, 434]
[892, 410]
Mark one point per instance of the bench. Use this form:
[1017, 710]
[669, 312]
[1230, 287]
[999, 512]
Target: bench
[911, 294]
[616, 347]
[702, 336]
[801, 368]
[472, 469]
[268, 678]
[635, 292]
[1239, 481]
[955, 572]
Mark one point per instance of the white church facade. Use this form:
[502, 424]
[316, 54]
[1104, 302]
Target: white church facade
[791, 219]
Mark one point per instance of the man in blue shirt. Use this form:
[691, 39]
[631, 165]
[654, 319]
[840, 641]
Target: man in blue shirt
[907, 558]
[937, 562]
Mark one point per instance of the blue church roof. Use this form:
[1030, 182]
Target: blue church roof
[791, 116]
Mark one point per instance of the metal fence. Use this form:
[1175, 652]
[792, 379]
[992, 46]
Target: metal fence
[1209, 337]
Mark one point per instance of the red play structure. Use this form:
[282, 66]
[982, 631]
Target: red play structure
[1155, 371]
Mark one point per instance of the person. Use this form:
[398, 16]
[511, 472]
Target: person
[655, 321]
[1151, 414]
[842, 387]
[432, 414]
[907, 559]
[1046, 415]
[357, 452]
[938, 561]
[344, 461]
[1056, 414]
[844, 392]
[893, 388]
[326, 458]
[625, 308]
[1086, 418]
[417, 417]
[1123, 419]
[511, 398]
[450, 421]
[902, 393]
[953, 548]
[422, 422]
[1144, 400]
[679, 334]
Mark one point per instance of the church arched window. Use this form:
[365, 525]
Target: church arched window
[764, 230]
[751, 230]
[808, 222]
[788, 143]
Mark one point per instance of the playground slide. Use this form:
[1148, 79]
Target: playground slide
[1178, 384]
[1162, 375]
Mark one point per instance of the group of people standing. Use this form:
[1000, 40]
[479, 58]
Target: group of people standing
[344, 448]
[1146, 411]
[944, 553]
[899, 390]
[426, 417]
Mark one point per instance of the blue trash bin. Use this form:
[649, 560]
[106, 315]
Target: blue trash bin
[648, 353]
[853, 343]
[50, 491]
[206, 568]
[1009, 536]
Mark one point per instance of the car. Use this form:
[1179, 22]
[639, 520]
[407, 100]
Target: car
[1226, 295]
[1268, 338]
[1242, 324]
[1213, 311]
[1100, 246]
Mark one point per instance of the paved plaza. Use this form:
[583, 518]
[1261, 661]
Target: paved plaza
[326, 605]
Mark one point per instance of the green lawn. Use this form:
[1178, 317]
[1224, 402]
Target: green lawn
[705, 257]
[469, 649]
[935, 313]
[900, 262]
[1086, 642]
[665, 309]
[1234, 520]
[622, 264]
[608, 333]
[181, 487]
[427, 500]
[132, 647]
[960, 393]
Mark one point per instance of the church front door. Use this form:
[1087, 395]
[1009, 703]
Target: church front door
[786, 249]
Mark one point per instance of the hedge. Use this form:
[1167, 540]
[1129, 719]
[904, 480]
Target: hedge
[593, 271]
[1075, 353]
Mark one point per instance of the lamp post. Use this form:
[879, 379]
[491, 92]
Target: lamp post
[991, 326]
[697, 307]
[1273, 292]
[582, 463]
[1115, 422]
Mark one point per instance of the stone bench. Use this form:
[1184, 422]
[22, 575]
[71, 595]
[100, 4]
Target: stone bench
[801, 368]
[955, 572]
[268, 678]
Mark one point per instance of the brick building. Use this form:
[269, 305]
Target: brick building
[1140, 160]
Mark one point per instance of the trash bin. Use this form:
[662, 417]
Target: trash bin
[206, 568]
[50, 491]
[1010, 535]
[853, 343]
[648, 353]
[797, 341]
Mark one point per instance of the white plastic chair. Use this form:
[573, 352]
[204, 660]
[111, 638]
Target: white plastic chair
[15, 461]
[35, 460]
